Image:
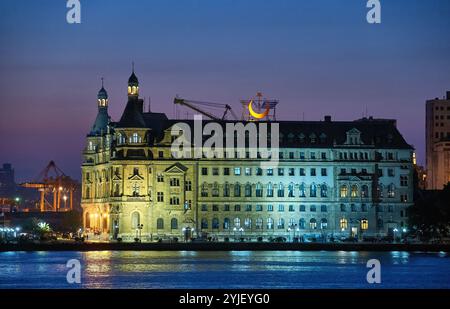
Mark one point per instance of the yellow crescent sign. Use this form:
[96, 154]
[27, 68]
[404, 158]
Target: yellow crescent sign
[255, 114]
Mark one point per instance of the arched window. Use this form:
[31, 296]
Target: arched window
[215, 223]
[248, 190]
[343, 192]
[248, 223]
[291, 223]
[237, 222]
[301, 223]
[226, 224]
[237, 189]
[269, 190]
[323, 224]
[280, 190]
[313, 224]
[258, 191]
[364, 191]
[313, 190]
[174, 224]
[215, 190]
[135, 220]
[269, 223]
[204, 223]
[259, 223]
[354, 192]
[291, 190]
[226, 189]
[343, 223]
[160, 223]
[280, 223]
[302, 190]
[323, 190]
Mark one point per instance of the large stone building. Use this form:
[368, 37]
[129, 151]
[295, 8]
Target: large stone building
[438, 142]
[334, 179]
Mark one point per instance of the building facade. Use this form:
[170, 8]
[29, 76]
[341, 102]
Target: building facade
[333, 179]
[438, 142]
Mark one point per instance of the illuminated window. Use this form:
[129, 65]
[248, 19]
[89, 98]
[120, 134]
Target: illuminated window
[312, 224]
[248, 223]
[313, 190]
[343, 223]
[364, 224]
[237, 222]
[269, 223]
[354, 192]
[259, 224]
[269, 190]
[226, 224]
[323, 224]
[258, 190]
[280, 224]
[343, 191]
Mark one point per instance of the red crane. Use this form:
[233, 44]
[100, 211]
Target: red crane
[54, 185]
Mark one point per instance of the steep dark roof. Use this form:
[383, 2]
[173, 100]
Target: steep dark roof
[132, 115]
[101, 122]
[133, 80]
[378, 133]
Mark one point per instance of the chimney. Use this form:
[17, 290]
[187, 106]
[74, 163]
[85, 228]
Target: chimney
[327, 118]
[448, 95]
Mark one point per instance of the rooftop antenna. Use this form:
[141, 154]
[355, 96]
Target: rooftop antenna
[132, 66]
[102, 81]
[149, 104]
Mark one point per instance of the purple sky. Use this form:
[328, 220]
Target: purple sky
[317, 57]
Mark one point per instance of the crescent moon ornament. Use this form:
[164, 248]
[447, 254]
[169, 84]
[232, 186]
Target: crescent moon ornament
[255, 114]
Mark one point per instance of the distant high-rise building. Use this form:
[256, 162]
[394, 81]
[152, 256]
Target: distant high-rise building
[438, 142]
[7, 184]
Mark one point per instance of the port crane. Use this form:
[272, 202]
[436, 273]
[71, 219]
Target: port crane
[194, 105]
[53, 186]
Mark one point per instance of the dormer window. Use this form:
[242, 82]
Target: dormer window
[135, 138]
[353, 137]
[91, 146]
[302, 138]
[313, 138]
[120, 138]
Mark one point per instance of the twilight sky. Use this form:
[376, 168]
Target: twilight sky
[317, 57]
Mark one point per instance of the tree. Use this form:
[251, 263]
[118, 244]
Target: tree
[430, 215]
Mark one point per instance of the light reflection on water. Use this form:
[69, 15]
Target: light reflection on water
[224, 269]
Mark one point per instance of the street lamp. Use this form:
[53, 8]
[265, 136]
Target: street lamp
[395, 231]
[65, 202]
[234, 230]
[242, 232]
